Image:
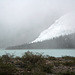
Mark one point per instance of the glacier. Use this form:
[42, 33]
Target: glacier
[65, 25]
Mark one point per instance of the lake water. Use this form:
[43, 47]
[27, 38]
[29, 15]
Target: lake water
[50, 52]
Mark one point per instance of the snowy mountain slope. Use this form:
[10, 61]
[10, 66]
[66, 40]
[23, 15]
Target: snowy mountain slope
[62, 42]
[60, 35]
[63, 26]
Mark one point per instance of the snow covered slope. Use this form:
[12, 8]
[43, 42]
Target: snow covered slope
[63, 26]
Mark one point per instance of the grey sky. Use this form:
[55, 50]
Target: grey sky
[21, 21]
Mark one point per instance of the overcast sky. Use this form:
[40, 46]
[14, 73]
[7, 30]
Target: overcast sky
[21, 21]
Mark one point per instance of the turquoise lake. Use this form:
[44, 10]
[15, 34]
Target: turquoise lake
[50, 52]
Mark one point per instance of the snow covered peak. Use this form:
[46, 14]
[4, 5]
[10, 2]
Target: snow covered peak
[63, 26]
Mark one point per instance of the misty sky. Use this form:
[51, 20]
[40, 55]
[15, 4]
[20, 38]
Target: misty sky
[21, 21]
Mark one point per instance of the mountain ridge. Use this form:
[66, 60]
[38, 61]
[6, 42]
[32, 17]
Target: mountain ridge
[59, 35]
[63, 42]
[63, 26]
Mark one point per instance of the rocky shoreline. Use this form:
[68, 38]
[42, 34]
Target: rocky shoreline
[36, 64]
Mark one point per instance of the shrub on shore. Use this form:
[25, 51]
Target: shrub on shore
[35, 64]
[7, 69]
[67, 73]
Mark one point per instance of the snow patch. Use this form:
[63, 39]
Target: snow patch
[63, 26]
